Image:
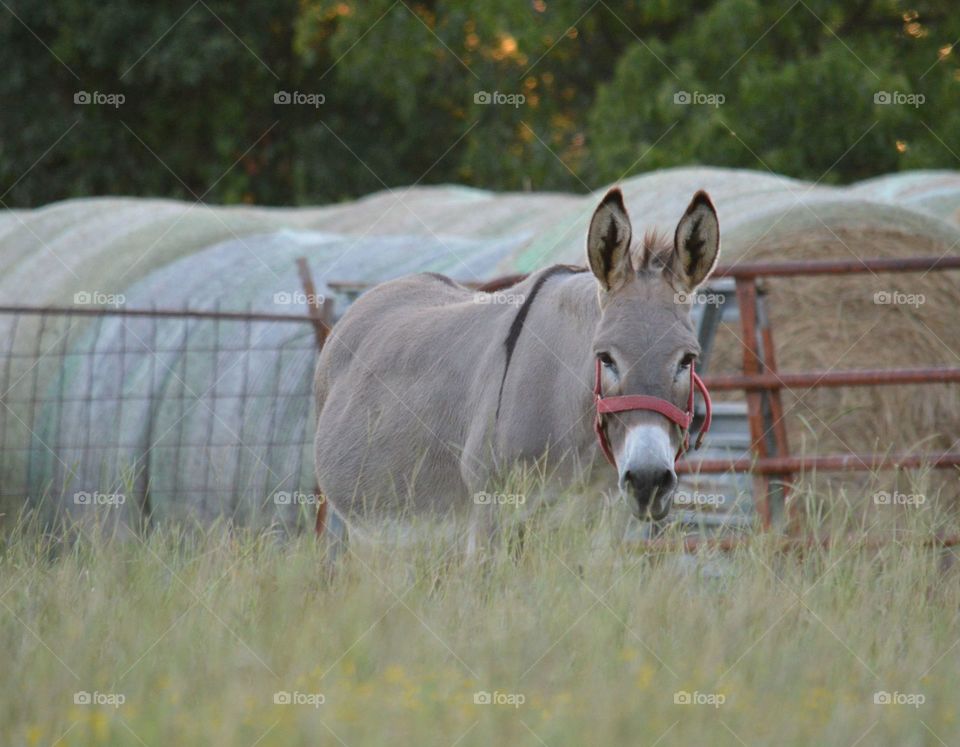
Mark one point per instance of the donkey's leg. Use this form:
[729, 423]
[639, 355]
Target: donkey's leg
[483, 532]
[334, 534]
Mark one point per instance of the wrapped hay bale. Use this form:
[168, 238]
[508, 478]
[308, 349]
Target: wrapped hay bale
[175, 255]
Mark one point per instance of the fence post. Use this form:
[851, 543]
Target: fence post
[322, 320]
[747, 304]
[774, 413]
[321, 314]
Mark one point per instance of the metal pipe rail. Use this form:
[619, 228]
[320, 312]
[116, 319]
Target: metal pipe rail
[748, 270]
[779, 465]
[239, 316]
[814, 379]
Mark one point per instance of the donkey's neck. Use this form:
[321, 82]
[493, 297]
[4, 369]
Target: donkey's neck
[547, 362]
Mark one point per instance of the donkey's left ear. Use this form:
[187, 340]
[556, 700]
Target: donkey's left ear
[696, 244]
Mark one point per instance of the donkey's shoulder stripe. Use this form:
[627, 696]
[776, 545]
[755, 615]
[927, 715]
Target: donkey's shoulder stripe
[516, 326]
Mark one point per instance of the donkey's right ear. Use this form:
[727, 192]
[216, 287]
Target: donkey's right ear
[608, 242]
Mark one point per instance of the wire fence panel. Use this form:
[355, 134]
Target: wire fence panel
[154, 414]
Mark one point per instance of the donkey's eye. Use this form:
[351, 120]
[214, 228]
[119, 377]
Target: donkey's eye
[607, 361]
[687, 361]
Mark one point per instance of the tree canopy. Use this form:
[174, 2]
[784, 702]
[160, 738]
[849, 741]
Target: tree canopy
[310, 101]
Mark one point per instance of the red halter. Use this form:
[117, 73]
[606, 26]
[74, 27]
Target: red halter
[626, 403]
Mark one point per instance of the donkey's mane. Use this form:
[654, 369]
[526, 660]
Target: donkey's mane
[656, 251]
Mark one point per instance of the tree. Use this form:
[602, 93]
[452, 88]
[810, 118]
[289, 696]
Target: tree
[387, 93]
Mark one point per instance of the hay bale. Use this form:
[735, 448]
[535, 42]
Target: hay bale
[172, 254]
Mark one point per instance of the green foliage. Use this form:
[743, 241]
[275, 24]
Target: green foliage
[797, 83]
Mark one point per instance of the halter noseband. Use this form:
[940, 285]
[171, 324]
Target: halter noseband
[630, 402]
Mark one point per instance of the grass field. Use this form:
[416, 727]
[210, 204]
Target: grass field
[202, 636]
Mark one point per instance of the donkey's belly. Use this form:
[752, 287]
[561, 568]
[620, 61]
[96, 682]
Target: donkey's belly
[388, 459]
[402, 381]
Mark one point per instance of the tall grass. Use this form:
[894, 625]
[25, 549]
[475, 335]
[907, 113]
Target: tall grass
[578, 639]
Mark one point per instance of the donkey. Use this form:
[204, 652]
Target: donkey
[427, 391]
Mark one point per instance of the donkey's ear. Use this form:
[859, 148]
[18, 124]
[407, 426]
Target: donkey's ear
[608, 242]
[696, 244]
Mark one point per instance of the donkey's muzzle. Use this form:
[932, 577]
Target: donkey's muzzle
[649, 491]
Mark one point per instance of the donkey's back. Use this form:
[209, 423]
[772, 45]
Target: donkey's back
[392, 385]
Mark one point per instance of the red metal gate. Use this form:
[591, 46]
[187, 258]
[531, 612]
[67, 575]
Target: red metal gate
[761, 379]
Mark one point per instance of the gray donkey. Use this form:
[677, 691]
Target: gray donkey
[427, 392]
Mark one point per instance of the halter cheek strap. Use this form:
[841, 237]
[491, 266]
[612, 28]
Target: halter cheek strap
[628, 403]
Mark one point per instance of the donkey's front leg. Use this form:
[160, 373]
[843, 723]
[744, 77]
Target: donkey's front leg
[483, 534]
[332, 532]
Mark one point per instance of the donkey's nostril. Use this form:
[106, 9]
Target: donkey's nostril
[644, 481]
[667, 480]
[650, 488]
